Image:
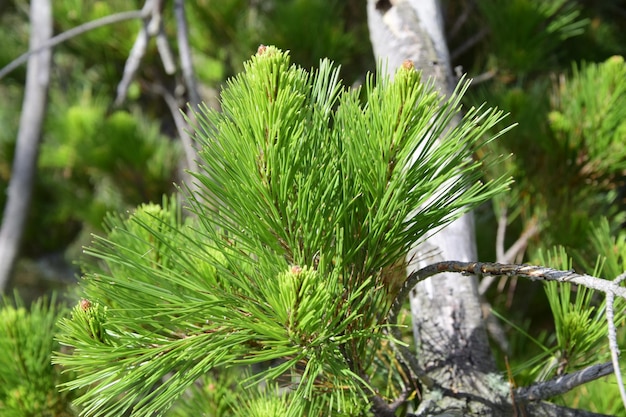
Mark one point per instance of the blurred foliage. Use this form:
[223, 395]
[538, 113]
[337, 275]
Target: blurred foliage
[568, 152]
[225, 33]
[94, 158]
[28, 380]
[589, 118]
[92, 162]
[540, 27]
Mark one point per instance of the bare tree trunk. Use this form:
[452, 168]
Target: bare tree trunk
[27, 148]
[452, 344]
[453, 353]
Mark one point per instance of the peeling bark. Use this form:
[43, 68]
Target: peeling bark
[452, 344]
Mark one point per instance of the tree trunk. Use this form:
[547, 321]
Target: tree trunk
[27, 148]
[452, 344]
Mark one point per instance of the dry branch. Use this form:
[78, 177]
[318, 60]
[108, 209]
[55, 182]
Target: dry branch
[613, 346]
[534, 273]
[185, 54]
[149, 28]
[543, 390]
[562, 384]
[78, 30]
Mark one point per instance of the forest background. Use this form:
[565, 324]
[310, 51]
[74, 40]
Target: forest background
[556, 66]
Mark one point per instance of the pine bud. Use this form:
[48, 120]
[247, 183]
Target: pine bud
[85, 304]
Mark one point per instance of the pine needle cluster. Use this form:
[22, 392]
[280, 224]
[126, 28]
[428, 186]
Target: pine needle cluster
[308, 198]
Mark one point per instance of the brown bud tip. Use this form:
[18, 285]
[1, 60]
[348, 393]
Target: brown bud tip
[408, 64]
[85, 304]
[296, 269]
[261, 50]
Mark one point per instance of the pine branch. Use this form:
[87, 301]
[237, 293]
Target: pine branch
[302, 207]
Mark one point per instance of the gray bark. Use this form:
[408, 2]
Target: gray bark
[452, 344]
[27, 148]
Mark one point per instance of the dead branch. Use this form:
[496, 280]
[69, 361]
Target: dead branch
[150, 28]
[469, 43]
[534, 273]
[544, 390]
[546, 409]
[69, 34]
[612, 334]
[562, 384]
[181, 126]
[185, 54]
[516, 248]
[189, 79]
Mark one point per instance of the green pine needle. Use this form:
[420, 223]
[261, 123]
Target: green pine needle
[310, 195]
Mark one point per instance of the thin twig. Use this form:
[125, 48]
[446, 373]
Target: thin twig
[460, 21]
[612, 334]
[189, 79]
[503, 221]
[71, 33]
[181, 126]
[562, 384]
[546, 409]
[469, 43]
[136, 53]
[488, 268]
[485, 76]
[165, 52]
[521, 243]
[492, 325]
[184, 52]
[156, 29]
